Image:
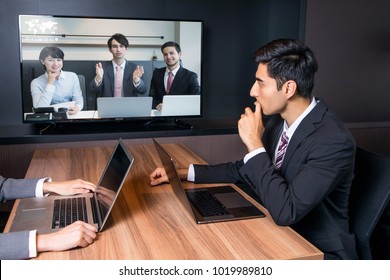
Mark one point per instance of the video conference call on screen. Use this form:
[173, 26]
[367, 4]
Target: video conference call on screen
[83, 42]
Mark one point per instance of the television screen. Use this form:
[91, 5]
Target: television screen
[67, 73]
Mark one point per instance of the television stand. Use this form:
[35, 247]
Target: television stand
[176, 123]
[145, 125]
[47, 129]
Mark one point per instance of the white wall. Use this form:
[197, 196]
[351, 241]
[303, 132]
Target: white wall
[79, 47]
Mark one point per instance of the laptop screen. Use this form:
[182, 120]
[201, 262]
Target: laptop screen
[124, 107]
[173, 177]
[112, 180]
[183, 105]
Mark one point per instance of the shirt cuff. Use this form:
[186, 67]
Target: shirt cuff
[253, 153]
[97, 83]
[32, 244]
[191, 173]
[50, 88]
[39, 188]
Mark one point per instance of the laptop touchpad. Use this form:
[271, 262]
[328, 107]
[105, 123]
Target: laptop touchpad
[29, 215]
[232, 200]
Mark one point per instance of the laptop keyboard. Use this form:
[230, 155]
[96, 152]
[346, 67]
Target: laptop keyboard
[207, 204]
[68, 210]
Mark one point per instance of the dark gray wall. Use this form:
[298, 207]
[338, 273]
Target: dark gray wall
[233, 30]
[352, 43]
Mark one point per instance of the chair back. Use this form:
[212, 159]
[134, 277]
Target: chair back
[83, 90]
[370, 193]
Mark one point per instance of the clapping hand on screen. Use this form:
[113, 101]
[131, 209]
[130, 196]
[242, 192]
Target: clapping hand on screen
[137, 74]
[99, 72]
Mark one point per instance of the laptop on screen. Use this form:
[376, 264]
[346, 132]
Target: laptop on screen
[181, 105]
[124, 107]
[208, 205]
[49, 214]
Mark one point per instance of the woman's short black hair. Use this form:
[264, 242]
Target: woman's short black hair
[52, 51]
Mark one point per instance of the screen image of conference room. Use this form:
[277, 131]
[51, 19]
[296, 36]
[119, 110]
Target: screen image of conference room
[83, 42]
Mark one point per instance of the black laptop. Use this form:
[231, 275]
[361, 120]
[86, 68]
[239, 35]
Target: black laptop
[208, 205]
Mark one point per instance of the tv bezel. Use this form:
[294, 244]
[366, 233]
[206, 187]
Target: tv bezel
[144, 120]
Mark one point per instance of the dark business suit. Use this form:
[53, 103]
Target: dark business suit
[15, 245]
[311, 192]
[106, 88]
[185, 83]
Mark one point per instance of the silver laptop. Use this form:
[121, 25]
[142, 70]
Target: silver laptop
[124, 107]
[51, 213]
[208, 205]
[181, 105]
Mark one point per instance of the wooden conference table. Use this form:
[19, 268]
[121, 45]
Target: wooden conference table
[150, 223]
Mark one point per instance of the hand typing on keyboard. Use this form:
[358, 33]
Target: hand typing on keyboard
[71, 187]
[78, 234]
[75, 234]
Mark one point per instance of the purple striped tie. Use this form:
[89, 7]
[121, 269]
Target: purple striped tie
[281, 151]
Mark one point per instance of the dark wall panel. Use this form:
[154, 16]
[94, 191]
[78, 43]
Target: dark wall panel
[351, 40]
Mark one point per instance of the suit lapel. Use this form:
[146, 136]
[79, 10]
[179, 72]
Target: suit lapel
[128, 73]
[305, 128]
[272, 133]
[111, 76]
[179, 73]
[160, 79]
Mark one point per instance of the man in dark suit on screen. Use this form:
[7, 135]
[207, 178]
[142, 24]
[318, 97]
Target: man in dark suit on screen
[118, 77]
[300, 163]
[172, 79]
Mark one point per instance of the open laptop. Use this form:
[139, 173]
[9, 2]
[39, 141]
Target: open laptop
[43, 213]
[181, 105]
[124, 107]
[208, 205]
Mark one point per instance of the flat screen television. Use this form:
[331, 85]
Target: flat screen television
[83, 41]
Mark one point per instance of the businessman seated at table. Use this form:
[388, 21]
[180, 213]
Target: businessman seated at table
[26, 244]
[300, 163]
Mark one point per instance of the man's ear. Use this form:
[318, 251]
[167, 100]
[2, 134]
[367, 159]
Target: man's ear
[289, 88]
